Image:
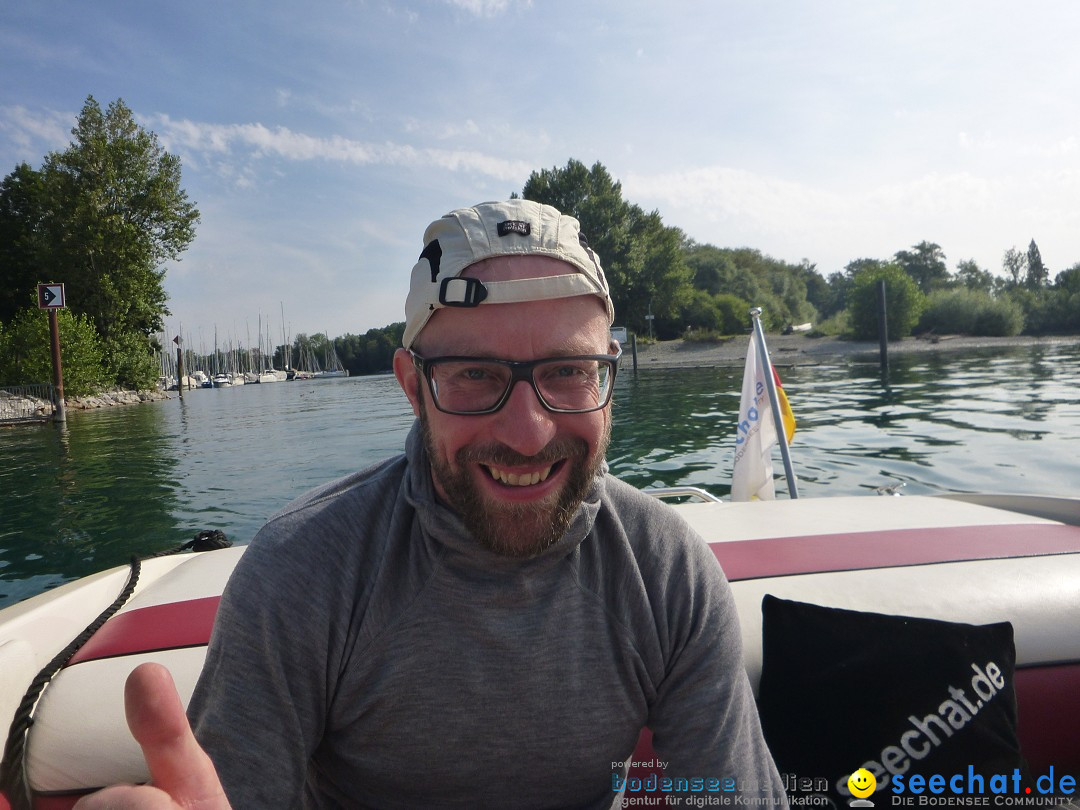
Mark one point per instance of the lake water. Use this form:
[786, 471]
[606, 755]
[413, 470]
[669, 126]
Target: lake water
[140, 479]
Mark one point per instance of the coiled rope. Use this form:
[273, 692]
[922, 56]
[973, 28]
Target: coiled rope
[12, 771]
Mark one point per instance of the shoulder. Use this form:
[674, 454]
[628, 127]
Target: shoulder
[651, 528]
[639, 539]
[331, 533]
[341, 506]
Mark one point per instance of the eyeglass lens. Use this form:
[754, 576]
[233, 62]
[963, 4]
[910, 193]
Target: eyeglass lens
[564, 384]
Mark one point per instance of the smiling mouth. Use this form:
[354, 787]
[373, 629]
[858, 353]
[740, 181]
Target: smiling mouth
[519, 479]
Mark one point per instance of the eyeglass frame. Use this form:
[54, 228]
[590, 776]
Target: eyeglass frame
[520, 371]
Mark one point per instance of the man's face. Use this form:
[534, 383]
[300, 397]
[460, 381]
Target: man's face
[516, 476]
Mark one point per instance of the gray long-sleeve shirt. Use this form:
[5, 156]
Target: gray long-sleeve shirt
[369, 653]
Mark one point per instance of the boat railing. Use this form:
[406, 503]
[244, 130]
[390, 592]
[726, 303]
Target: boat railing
[686, 494]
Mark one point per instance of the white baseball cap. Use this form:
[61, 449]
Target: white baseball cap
[512, 228]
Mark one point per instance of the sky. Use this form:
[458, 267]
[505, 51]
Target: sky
[319, 139]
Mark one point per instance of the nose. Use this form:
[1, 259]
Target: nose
[523, 424]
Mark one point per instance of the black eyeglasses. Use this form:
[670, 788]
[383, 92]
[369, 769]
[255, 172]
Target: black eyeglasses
[480, 385]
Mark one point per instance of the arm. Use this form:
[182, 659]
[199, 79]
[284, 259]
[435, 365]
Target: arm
[703, 716]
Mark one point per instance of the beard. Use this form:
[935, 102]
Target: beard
[515, 529]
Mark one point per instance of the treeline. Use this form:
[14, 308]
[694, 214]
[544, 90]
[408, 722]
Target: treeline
[369, 353]
[702, 291]
[103, 216]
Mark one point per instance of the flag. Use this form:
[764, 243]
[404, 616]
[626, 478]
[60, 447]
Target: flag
[755, 436]
[786, 415]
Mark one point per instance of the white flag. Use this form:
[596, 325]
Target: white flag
[755, 437]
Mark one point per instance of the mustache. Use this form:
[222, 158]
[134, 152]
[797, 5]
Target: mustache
[496, 454]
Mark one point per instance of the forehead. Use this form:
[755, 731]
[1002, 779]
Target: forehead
[511, 268]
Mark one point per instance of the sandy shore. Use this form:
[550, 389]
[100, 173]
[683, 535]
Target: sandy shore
[801, 350]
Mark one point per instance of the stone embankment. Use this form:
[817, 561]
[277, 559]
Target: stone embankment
[107, 399]
[798, 350]
[22, 407]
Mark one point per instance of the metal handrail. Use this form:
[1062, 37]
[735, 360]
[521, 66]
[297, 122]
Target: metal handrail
[697, 493]
[26, 403]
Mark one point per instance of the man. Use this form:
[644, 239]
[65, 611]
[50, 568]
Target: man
[488, 620]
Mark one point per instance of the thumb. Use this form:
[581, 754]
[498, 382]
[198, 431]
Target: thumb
[178, 766]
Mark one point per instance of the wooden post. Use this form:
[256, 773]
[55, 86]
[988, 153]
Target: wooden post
[883, 328]
[633, 350]
[180, 385]
[59, 413]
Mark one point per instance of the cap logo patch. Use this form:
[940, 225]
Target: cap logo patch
[517, 226]
[433, 253]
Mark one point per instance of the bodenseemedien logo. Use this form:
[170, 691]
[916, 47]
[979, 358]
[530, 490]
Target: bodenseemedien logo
[862, 785]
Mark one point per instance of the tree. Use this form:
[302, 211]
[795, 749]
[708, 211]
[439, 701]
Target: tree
[716, 313]
[1014, 263]
[925, 263]
[1037, 274]
[642, 258]
[779, 288]
[26, 352]
[973, 277]
[22, 240]
[108, 214]
[903, 302]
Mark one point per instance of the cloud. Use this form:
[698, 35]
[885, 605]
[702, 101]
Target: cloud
[31, 132]
[195, 140]
[485, 8]
[969, 214]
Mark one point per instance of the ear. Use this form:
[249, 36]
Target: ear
[408, 378]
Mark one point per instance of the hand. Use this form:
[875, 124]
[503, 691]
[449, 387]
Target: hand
[182, 774]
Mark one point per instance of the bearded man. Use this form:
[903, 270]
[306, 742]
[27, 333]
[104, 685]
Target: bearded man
[488, 620]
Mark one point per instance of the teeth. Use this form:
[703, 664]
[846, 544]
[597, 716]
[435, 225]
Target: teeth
[519, 480]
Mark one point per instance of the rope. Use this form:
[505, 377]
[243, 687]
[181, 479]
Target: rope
[14, 784]
[12, 776]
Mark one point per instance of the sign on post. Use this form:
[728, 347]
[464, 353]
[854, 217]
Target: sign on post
[50, 296]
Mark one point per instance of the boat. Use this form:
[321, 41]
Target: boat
[222, 380]
[959, 559]
[332, 366]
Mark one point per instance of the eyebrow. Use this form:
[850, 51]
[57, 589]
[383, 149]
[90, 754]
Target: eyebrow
[565, 350]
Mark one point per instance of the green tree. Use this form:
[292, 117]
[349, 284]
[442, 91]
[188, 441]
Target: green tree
[925, 263]
[716, 313]
[1014, 263]
[971, 312]
[26, 352]
[779, 288]
[111, 213]
[642, 258]
[22, 241]
[973, 277]
[903, 302]
[1037, 274]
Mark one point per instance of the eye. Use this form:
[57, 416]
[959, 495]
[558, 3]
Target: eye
[475, 374]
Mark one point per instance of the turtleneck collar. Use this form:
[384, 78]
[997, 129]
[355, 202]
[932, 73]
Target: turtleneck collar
[443, 525]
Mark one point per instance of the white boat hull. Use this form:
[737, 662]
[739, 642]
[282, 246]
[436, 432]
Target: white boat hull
[937, 558]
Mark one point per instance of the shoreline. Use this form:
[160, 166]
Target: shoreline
[803, 350]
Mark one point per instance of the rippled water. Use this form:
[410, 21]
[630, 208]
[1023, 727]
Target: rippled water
[984, 421]
[145, 478]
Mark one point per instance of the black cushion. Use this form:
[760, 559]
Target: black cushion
[844, 689]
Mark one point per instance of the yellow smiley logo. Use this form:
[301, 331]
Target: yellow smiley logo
[862, 783]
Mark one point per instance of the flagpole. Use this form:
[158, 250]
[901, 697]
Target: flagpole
[774, 400]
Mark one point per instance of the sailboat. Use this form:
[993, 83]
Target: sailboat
[332, 365]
